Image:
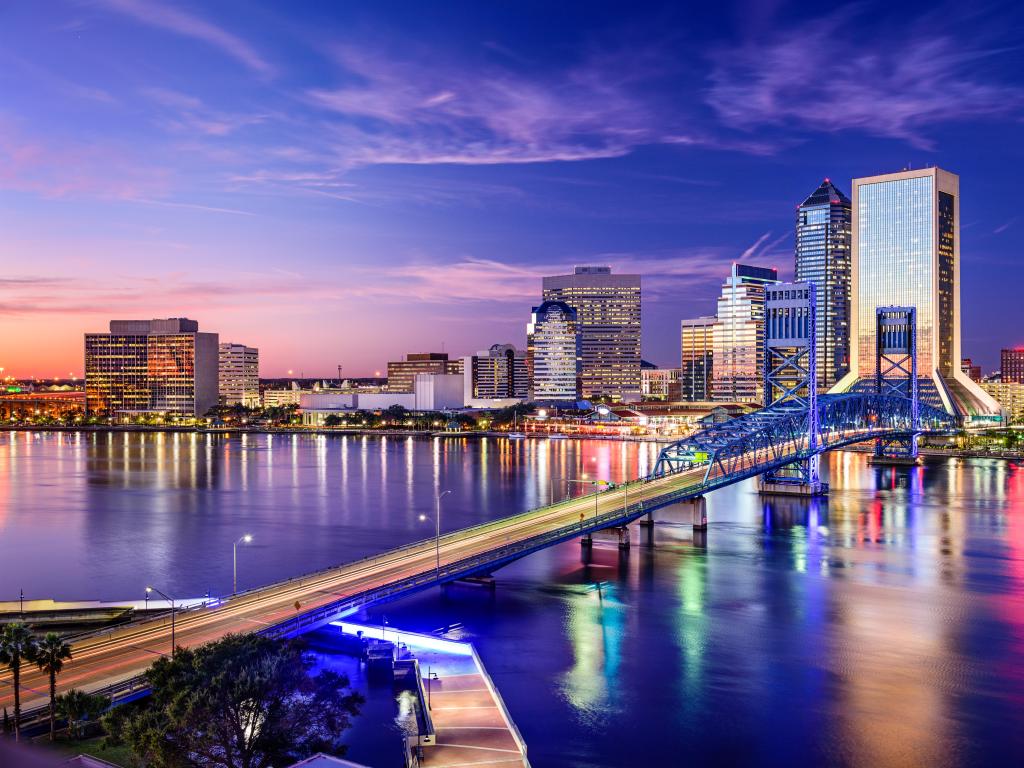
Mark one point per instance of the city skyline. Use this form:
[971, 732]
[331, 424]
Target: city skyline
[282, 182]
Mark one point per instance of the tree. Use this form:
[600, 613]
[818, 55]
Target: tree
[17, 644]
[51, 653]
[77, 706]
[245, 701]
[333, 420]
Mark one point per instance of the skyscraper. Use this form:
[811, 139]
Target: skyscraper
[608, 311]
[739, 336]
[696, 343]
[156, 366]
[496, 374]
[906, 252]
[823, 230]
[553, 352]
[239, 375]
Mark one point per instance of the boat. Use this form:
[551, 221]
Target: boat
[516, 435]
[557, 436]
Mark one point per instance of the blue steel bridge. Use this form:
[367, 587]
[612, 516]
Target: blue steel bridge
[113, 661]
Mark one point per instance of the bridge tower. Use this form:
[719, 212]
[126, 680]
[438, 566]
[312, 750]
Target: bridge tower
[896, 374]
[791, 378]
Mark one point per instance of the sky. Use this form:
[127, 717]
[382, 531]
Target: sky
[344, 182]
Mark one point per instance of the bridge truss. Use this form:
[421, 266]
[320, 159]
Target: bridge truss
[764, 440]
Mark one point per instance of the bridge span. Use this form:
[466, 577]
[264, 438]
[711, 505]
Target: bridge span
[113, 661]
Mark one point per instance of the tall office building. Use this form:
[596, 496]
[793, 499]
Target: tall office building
[154, 366]
[1011, 365]
[906, 252]
[553, 352]
[739, 336]
[608, 311]
[239, 375]
[498, 373]
[697, 341]
[402, 373]
[823, 231]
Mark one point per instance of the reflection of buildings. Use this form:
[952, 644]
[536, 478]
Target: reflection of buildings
[739, 335]
[608, 313]
[162, 366]
[906, 252]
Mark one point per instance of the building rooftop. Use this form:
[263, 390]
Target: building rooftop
[825, 194]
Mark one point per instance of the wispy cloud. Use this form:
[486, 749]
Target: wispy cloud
[172, 19]
[818, 78]
[188, 114]
[1005, 226]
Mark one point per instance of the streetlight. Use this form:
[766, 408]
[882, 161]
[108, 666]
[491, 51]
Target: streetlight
[171, 599]
[437, 531]
[234, 579]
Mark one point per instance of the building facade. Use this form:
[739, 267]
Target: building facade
[1011, 365]
[608, 312]
[739, 336]
[972, 369]
[239, 373]
[697, 342]
[660, 384]
[402, 373]
[823, 235]
[553, 352]
[906, 252]
[498, 373]
[154, 366]
[1010, 396]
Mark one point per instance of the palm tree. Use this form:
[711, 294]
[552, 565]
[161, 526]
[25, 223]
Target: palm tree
[51, 652]
[77, 706]
[17, 644]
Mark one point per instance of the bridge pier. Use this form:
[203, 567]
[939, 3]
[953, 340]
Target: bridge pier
[624, 537]
[776, 487]
[586, 541]
[647, 529]
[887, 460]
[698, 509]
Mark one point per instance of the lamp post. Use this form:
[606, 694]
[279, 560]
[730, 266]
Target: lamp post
[171, 599]
[437, 530]
[234, 563]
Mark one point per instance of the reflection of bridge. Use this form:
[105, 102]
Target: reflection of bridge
[113, 660]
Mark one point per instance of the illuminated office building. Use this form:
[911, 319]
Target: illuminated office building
[239, 375]
[696, 343]
[402, 373]
[1011, 365]
[151, 366]
[608, 312]
[738, 374]
[498, 373]
[906, 252]
[553, 352]
[823, 224]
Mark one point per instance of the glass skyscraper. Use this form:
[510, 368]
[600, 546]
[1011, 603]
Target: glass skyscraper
[608, 311]
[823, 231]
[553, 352]
[906, 252]
[738, 374]
[696, 359]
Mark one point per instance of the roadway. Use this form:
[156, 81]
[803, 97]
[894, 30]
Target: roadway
[126, 652]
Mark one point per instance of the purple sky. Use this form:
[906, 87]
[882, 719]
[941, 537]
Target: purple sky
[356, 181]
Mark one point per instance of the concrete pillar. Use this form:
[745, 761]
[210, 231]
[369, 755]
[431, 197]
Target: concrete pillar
[586, 541]
[698, 511]
[624, 537]
[647, 529]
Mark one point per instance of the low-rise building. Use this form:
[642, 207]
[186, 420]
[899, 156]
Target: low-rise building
[239, 375]
[439, 392]
[660, 384]
[1010, 396]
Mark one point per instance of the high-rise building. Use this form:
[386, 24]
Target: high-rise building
[402, 373]
[553, 352]
[823, 231]
[154, 366]
[697, 341]
[1011, 365]
[498, 373]
[739, 336]
[608, 311]
[906, 252]
[239, 375]
[1010, 396]
[972, 369]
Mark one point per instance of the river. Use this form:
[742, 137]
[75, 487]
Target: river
[883, 626]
